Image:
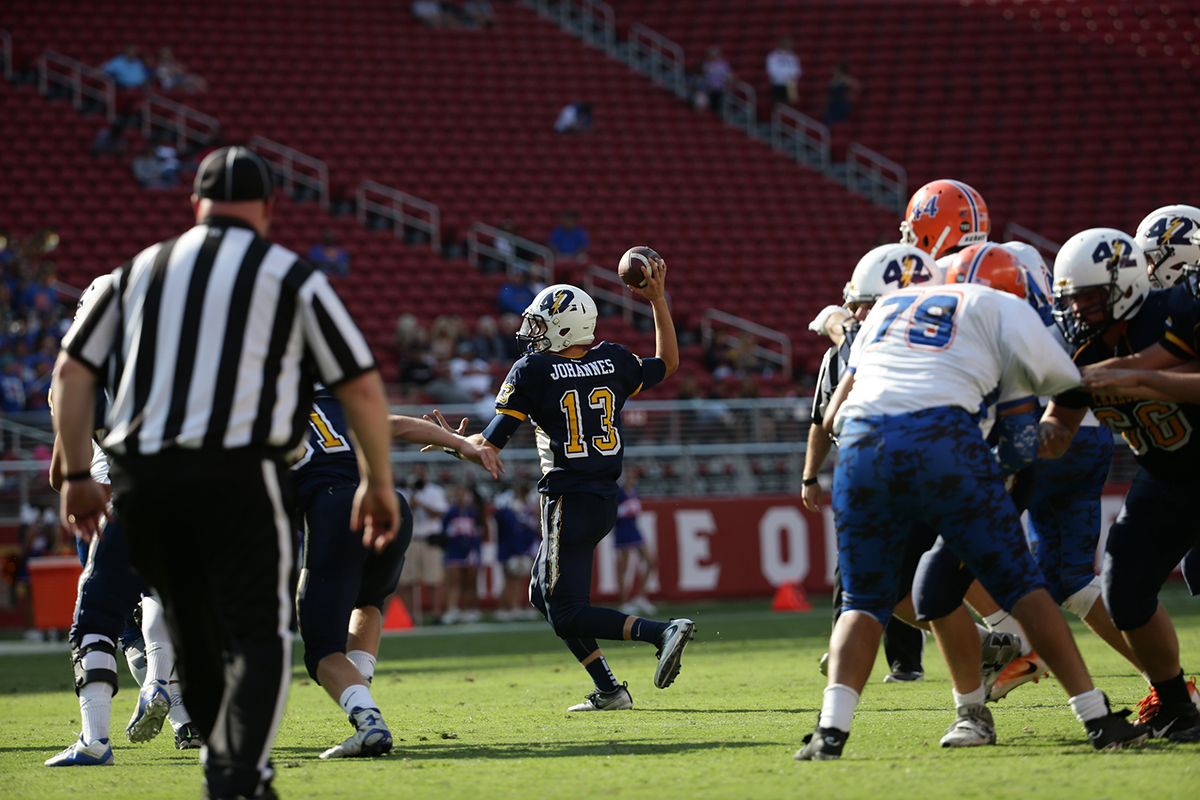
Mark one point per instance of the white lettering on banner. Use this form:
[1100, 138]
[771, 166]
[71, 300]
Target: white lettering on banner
[648, 525]
[831, 547]
[692, 529]
[606, 565]
[791, 523]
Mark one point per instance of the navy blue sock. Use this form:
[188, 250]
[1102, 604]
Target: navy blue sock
[647, 630]
[601, 675]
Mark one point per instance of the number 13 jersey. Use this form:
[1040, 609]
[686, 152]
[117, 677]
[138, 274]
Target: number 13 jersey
[963, 345]
[576, 405]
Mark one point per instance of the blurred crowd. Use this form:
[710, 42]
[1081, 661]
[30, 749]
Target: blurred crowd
[452, 361]
[32, 320]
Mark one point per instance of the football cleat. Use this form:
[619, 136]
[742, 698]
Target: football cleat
[79, 754]
[678, 633]
[371, 737]
[1114, 732]
[1148, 706]
[188, 737]
[998, 650]
[1023, 669]
[824, 665]
[823, 744]
[904, 677]
[153, 703]
[1191, 734]
[618, 700]
[973, 727]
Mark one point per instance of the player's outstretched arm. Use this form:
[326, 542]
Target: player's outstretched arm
[476, 444]
[83, 502]
[835, 402]
[1180, 384]
[426, 432]
[655, 291]
[375, 508]
[1057, 429]
[1153, 357]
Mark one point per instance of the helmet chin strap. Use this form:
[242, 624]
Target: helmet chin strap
[937, 246]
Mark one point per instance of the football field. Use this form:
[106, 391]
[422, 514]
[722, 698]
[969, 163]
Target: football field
[482, 714]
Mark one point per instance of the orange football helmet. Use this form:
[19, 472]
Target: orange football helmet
[989, 265]
[945, 214]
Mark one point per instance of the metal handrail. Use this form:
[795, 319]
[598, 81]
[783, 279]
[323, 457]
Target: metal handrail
[879, 178]
[810, 139]
[6, 43]
[543, 272]
[287, 161]
[20, 431]
[659, 58]
[396, 210]
[783, 358]
[620, 297]
[178, 117]
[593, 21]
[74, 80]
[740, 106]
[1013, 231]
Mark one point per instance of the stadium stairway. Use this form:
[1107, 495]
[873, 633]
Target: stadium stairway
[1065, 115]
[364, 88]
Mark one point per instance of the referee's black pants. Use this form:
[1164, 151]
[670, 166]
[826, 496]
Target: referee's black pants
[211, 533]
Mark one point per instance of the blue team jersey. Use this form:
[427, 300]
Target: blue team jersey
[1181, 331]
[1159, 433]
[576, 405]
[328, 455]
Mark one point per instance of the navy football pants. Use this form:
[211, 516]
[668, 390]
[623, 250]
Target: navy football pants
[338, 574]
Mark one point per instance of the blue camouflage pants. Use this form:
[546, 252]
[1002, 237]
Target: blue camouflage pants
[929, 466]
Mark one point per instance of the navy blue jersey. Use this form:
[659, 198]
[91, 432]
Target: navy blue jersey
[576, 405]
[1181, 331]
[1159, 433]
[328, 454]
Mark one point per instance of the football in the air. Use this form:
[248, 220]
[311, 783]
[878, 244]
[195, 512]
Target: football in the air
[631, 265]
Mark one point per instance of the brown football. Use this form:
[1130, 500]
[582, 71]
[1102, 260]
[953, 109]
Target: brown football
[630, 268]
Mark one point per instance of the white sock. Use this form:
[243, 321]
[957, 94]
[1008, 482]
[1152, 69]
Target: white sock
[1146, 677]
[95, 707]
[365, 663]
[1004, 622]
[975, 698]
[160, 655]
[982, 631]
[357, 696]
[178, 714]
[1089, 705]
[838, 708]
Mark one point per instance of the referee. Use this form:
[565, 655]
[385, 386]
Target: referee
[209, 344]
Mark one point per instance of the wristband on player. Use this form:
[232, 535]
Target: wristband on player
[82, 475]
[809, 481]
[450, 451]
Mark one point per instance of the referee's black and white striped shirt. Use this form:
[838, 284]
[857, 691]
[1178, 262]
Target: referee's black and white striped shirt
[213, 341]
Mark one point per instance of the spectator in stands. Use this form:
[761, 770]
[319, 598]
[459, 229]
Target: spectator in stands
[569, 239]
[431, 14]
[172, 74]
[37, 385]
[127, 69]
[783, 73]
[509, 325]
[412, 352]
[840, 94]
[689, 388]
[169, 164]
[40, 296]
[718, 75]
[574, 118]
[515, 295]
[471, 373]
[487, 342]
[328, 255]
[109, 141]
[147, 169]
[478, 14]
[12, 387]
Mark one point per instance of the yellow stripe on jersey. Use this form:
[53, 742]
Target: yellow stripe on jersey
[1175, 340]
[508, 412]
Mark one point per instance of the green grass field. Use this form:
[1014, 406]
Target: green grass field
[483, 715]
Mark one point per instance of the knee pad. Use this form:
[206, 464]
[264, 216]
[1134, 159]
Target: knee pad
[95, 660]
[1080, 603]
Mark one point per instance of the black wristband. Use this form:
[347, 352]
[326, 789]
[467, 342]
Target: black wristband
[809, 481]
[82, 475]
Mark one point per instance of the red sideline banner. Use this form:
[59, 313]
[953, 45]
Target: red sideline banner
[729, 547]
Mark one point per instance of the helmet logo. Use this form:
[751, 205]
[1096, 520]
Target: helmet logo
[1170, 230]
[1115, 254]
[929, 209]
[558, 301]
[905, 272]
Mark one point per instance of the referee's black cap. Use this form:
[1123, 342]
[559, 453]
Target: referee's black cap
[233, 174]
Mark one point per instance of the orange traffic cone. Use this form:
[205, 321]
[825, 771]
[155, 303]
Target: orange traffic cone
[397, 618]
[791, 597]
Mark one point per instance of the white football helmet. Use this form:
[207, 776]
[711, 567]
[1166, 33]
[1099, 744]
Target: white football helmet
[1100, 278]
[1168, 237]
[887, 268]
[559, 317]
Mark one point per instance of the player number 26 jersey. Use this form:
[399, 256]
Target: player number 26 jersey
[576, 405]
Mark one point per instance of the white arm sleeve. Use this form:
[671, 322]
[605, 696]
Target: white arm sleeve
[1035, 363]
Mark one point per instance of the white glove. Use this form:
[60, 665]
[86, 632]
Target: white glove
[817, 326]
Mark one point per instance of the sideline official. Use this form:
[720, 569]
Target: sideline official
[210, 344]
